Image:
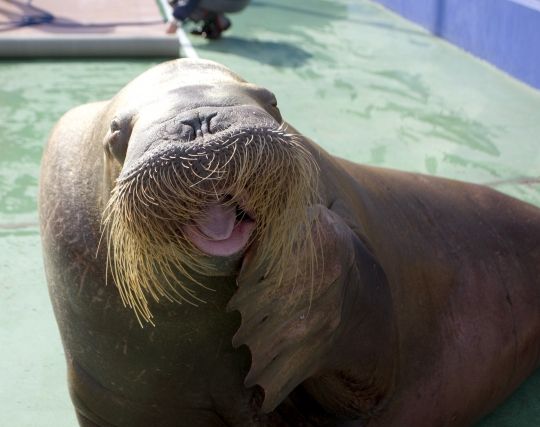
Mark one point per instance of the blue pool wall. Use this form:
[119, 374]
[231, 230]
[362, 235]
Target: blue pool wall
[505, 33]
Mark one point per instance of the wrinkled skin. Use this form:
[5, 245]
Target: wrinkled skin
[425, 311]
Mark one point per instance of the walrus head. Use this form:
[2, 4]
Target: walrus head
[207, 169]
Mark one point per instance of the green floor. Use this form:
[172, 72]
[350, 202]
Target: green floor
[362, 82]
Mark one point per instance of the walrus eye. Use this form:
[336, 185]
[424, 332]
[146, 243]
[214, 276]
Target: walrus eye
[275, 110]
[272, 100]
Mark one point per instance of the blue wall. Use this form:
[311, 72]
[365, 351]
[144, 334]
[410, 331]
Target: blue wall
[503, 32]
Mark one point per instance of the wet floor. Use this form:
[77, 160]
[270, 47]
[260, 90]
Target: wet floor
[360, 81]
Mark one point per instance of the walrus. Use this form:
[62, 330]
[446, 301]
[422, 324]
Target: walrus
[210, 266]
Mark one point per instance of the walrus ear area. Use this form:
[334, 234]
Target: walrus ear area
[268, 101]
[290, 327]
[117, 138]
[273, 107]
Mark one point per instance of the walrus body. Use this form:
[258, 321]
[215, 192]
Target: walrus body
[415, 302]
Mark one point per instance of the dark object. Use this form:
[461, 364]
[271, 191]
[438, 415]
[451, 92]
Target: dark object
[213, 26]
[209, 15]
[183, 9]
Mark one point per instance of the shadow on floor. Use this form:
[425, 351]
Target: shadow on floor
[277, 54]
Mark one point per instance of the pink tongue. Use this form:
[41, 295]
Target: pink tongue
[217, 221]
[217, 233]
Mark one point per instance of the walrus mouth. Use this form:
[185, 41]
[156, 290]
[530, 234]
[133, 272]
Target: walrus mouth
[181, 204]
[221, 230]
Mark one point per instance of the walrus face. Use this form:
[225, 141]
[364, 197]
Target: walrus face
[208, 169]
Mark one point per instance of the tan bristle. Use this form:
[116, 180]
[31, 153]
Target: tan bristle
[150, 258]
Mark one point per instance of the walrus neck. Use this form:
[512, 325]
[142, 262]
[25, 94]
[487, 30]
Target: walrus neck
[363, 375]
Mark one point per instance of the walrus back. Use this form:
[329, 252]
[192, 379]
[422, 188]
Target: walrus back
[463, 260]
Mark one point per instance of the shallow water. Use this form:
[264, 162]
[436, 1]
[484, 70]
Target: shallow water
[360, 81]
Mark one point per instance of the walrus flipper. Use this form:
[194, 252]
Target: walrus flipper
[294, 328]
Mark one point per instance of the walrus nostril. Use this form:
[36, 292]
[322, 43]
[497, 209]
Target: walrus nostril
[195, 125]
[207, 122]
[200, 124]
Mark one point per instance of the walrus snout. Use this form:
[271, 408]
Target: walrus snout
[200, 183]
[206, 129]
[200, 124]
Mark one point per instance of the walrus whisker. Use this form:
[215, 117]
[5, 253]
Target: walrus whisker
[211, 161]
[209, 177]
[230, 157]
[215, 192]
[149, 207]
[181, 298]
[181, 158]
[167, 182]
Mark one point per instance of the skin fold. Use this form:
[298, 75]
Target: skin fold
[415, 302]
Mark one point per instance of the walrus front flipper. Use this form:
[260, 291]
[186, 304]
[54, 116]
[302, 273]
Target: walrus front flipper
[301, 328]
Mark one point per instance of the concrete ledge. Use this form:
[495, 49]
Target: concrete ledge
[505, 33]
[89, 46]
[82, 28]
